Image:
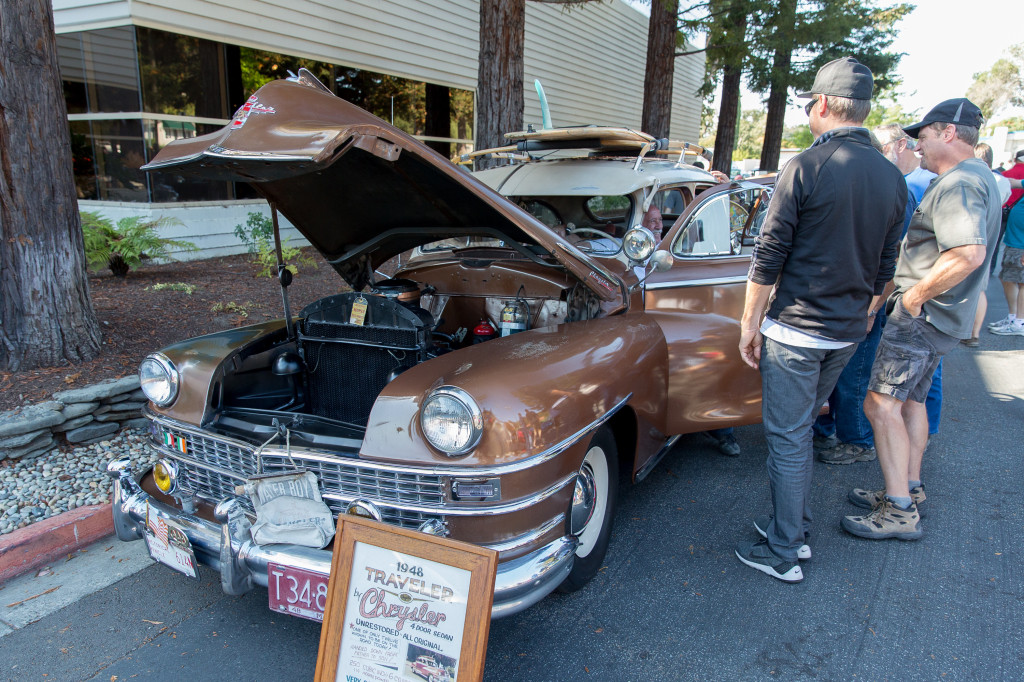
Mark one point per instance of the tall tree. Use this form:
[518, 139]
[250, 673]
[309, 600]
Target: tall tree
[660, 71]
[801, 37]
[46, 314]
[778, 77]
[727, 53]
[500, 73]
[500, 77]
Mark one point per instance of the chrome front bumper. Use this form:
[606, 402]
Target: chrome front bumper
[520, 582]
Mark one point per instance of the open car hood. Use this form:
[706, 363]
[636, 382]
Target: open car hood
[360, 190]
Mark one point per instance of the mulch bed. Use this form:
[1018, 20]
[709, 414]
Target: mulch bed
[137, 318]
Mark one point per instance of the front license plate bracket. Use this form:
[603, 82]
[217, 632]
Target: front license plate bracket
[168, 544]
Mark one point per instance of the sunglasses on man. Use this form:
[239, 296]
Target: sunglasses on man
[810, 105]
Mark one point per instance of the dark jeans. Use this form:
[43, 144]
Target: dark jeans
[845, 417]
[795, 382]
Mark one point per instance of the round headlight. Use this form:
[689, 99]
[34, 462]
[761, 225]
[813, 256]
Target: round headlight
[638, 244]
[159, 379]
[451, 421]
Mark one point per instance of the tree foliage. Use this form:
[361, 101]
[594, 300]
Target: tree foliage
[1002, 85]
[782, 46]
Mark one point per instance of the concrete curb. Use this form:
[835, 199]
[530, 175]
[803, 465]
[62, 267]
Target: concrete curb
[37, 544]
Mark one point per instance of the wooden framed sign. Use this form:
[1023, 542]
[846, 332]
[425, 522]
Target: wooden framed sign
[404, 606]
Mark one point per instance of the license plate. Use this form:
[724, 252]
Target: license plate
[296, 591]
[168, 544]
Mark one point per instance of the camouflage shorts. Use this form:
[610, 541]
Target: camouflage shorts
[908, 353]
[1012, 270]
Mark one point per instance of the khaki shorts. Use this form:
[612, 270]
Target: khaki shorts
[908, 353]
[1012, 270]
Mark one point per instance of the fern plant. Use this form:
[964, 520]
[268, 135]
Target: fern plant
[124, 246]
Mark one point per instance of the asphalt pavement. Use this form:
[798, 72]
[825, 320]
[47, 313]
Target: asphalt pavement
[672, 603]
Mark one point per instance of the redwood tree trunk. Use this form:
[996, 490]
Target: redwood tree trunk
[779, 93]
[773, 128]
[661, 49]
[46, 315]
[499, 92]
[728, 119]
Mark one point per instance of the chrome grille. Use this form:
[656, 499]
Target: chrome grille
[352, 481]
[215, 452]
[340, 481]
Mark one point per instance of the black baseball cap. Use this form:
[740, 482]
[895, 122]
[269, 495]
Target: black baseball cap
[960, 111]
[845, 77]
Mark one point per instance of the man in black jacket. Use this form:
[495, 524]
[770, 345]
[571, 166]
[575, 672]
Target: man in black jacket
[824, 254]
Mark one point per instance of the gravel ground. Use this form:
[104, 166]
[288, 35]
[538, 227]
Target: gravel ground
[65, 479]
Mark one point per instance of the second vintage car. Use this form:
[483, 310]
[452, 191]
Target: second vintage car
[505, 349]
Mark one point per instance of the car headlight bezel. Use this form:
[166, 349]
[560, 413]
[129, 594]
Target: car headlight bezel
[156, 369]
[463, 409]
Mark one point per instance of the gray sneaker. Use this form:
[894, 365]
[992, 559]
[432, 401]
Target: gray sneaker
[885, 521]
[759, 556]
[761, 526]
[868, 499]
[847, 453]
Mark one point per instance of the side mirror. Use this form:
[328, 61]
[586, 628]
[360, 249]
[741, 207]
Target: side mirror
[662, 260]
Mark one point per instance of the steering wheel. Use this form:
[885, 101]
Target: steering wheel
[603, 235]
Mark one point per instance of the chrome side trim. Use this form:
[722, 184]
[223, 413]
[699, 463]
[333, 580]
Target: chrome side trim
[711, 281]
[527, 538]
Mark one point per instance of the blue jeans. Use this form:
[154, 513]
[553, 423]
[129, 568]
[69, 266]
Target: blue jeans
[845, 416]
[795, 382]
[933, 403]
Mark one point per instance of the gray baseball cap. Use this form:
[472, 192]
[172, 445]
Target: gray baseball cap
[959, 110]
[844, 77]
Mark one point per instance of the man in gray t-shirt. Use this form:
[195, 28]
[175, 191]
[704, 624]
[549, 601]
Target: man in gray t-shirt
[943, 267]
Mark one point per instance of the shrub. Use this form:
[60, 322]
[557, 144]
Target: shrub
[124, 246]
[258, 236]
[258, 229]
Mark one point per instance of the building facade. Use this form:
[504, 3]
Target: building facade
[139, 73]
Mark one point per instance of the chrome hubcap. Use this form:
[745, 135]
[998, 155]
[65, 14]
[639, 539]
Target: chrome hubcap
[583, 498]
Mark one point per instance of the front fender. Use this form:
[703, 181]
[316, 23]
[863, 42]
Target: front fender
[536, 389]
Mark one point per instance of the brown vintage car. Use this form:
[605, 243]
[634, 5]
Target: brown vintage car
[530, 347]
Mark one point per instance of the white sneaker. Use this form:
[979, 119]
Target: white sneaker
[1012, 329]
[761, 526]
[1000, 323]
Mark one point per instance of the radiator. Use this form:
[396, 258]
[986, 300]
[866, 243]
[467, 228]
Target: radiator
[348, 364]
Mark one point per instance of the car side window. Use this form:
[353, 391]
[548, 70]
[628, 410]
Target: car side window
[716, 228]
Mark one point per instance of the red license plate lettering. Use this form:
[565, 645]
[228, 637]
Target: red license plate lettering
[296, 591]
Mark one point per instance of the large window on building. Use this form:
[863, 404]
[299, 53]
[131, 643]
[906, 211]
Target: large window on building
[131, 90]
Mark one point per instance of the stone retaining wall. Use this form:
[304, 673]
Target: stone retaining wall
[80, 416]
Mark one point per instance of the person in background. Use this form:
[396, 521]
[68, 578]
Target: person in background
[984, 152]
[942, 268]
[821, 260]
[1013, 323]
